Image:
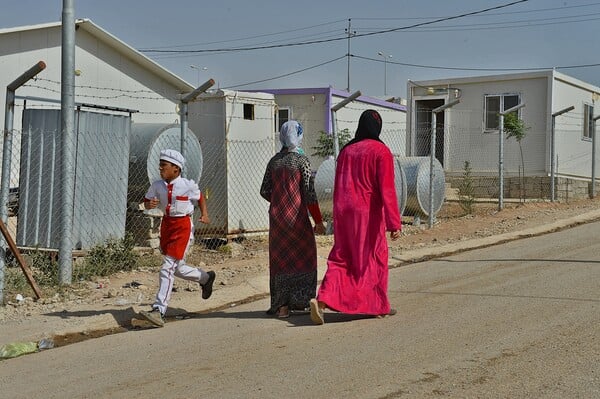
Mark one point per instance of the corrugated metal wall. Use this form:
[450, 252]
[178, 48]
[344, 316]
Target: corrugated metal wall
[101, 170]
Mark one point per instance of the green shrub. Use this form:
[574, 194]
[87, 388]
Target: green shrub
[324, 147]
[466, 190]
[225, 249]
[112, 256]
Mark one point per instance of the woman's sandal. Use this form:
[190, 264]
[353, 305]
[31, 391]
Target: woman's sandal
[283, 312]
[392, 312]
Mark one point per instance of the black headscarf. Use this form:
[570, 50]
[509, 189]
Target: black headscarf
[369, 127]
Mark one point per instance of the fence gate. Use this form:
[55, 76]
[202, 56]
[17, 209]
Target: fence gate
[101, 165]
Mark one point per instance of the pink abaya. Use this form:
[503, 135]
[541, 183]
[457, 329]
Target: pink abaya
[365, 206]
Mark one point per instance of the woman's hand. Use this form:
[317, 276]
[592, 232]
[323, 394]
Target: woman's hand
[394, 235]
[319, 228]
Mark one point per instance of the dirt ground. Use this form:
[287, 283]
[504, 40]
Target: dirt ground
[242, 259]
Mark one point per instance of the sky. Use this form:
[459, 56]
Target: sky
[264, 44]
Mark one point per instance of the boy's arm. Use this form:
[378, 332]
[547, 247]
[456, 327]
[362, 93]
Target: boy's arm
[151, 198]
[151, 203]
[204, 210]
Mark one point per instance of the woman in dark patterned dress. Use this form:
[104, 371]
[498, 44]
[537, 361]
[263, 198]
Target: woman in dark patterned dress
[288, 186]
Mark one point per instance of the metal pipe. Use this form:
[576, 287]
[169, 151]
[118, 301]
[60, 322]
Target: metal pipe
[7, 155]
[183, 111]
[553, 150]
[334, 109]
[501, 154]
[67, 111]
[434, 113]
[8, 133]
[431, 159]
[345, 101]
[594, 156]
[201, 89]
[26, 76]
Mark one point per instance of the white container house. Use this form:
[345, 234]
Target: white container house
[235, 130]
[312, 108]
[112, 79]
[469, 130]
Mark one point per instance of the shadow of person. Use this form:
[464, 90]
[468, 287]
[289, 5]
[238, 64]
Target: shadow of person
[253, 314]
[302, 319]
[120, 315]
[105, 319]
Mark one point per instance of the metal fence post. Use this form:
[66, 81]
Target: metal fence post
[434, 113]
[334, 109]
[9, 115]
[501, 154]
[594, 142]
[553, 150]
[183, 110]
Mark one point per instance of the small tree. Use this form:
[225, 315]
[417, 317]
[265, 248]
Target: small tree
[514, 127]
[324, 147]
[466, 190]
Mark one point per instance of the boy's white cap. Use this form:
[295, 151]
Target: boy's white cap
[173, 156]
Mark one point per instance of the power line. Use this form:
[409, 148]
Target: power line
[287, 74]
[251, 37]
[340, 38]
[488, 14]
[508, 24]
[477, 69]
[329, 34]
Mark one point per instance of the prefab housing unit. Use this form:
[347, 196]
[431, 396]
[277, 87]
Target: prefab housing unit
[235, 130]
[312, 108]
[468, 131]
[109, 73]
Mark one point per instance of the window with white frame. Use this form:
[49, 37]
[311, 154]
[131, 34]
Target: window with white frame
[496, 103]
[588, 121]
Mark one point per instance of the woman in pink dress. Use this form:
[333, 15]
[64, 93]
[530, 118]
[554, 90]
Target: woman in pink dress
[364, 207]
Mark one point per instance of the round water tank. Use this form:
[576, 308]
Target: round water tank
[417, 172]
[148, 139]
[401, 188]
[325, 178]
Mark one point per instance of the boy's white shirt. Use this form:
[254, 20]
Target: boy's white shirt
[184, 194]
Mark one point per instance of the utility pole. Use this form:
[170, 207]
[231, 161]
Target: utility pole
[350, 33]
[67, 116]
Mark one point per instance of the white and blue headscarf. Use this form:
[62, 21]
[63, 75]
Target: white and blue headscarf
[291, 136]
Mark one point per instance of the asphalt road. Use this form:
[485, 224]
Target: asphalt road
[509, 321]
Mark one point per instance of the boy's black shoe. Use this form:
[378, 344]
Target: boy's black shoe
[208, 286]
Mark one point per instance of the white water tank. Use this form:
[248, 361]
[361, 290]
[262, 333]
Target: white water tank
[325, 177]
[417, 172]
[146, 143]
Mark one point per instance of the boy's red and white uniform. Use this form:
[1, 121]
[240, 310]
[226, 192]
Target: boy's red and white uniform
[176, 200]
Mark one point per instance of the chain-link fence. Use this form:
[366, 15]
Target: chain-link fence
[115, 161]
